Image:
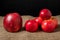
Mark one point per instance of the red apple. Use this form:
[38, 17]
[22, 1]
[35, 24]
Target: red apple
[45, 14]
[55, 21]
[48, 26]
[39, 20]
[31, 26]
[12, 22]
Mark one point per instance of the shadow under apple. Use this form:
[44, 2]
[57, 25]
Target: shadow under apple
[23, 29]
[58, 28]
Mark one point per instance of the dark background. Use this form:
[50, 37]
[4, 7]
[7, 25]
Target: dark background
[29, 7]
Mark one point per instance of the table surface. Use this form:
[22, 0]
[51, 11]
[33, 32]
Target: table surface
[24, 35]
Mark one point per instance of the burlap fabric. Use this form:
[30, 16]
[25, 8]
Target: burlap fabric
[24, 35]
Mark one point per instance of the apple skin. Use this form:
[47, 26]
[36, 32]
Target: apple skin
[48, 26]
[12, 22]
[31, 26]
[45, 14]
[55, 21]
[39, 20]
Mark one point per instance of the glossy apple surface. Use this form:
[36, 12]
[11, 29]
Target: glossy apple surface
[31, 26]
[55, 21]
[12, 22]
[39, 20]
[48, 26]
[45, 14]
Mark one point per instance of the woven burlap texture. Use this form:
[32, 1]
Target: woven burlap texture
[24, 35]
